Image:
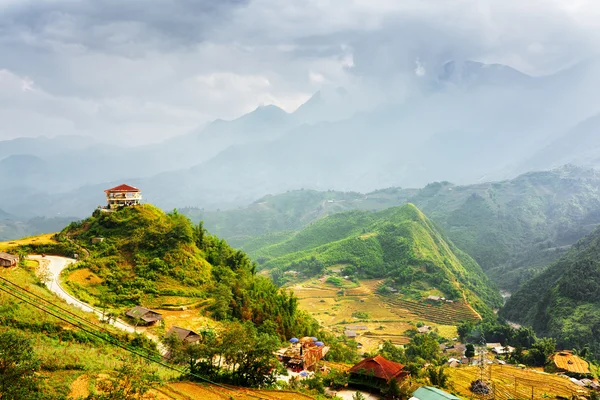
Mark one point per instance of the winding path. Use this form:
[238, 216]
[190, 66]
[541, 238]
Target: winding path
[55, 266]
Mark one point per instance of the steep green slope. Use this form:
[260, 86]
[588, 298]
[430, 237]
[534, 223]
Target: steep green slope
[399, 243]
[146, 255]
[563, 301]
[512, 228]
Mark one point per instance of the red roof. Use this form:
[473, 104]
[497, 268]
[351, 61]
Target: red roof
[123, 188]
[378, 367]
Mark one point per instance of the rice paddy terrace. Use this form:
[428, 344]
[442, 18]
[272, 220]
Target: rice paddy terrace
[381, 317]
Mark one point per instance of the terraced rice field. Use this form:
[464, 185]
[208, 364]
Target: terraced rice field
[443, 314]
[192, 391]
[514, 383]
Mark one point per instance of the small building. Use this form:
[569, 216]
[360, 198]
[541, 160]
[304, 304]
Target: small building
[431, 393]
[567, 362]
[501, 350]
[357, 327]
[350, 334]
[8, 260]
[123, 196]
[424, 329]
[146, 316]
[185, 335]
[97, 240]
[458, 349]
[493, 345]
[376, 373]
[434, 298]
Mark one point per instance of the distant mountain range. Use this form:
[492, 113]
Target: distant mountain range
[465, 123]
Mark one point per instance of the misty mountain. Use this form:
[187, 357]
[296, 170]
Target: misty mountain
[466, 122]
[580, 145]
[43, 146]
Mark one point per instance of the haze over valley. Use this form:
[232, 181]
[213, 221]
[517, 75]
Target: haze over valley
[299, 200]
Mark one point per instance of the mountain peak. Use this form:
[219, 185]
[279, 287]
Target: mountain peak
[469, 72]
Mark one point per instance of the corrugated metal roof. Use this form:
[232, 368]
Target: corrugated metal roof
[431, 393]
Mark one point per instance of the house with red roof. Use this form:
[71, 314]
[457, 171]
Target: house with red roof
[123, 196]
[376, 372]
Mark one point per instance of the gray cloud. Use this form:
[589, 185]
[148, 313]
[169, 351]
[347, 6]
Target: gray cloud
[145, 70]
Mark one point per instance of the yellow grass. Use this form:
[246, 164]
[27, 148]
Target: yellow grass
[84, 277]
[504, 378]
[41, 239]
[447, 331]
[188, 390]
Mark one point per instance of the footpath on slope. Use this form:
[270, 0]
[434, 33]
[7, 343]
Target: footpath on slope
[55, 266]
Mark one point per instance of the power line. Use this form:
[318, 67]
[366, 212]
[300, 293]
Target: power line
[3, 287]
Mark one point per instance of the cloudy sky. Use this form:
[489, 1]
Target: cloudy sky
[138, 71]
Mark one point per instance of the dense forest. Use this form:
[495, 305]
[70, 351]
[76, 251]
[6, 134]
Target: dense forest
[562, 302]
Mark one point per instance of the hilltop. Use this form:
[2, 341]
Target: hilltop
[141, 255]
[562, 302]
[398, 244]
[512, 228]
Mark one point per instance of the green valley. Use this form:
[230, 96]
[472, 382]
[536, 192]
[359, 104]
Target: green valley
[398, 245]
[562, 302]
[513, 228]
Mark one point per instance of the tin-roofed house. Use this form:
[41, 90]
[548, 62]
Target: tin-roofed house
[144, 316]
[8, 260]
[431, 393]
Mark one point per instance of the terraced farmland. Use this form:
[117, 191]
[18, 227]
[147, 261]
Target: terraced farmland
[443, 313]
[514, 383]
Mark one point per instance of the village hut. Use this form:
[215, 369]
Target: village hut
[376, 373]
[185, 335]
[8, 260]
[144, 316]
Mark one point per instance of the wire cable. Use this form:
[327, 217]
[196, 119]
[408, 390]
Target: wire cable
[6, 289]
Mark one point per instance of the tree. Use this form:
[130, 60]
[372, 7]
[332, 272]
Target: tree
[18, 365]
[470, 352]
[540, 352]
[423, 348]
[438, 376]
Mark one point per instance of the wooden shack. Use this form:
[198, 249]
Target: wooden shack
[8, 260]
[144, 316]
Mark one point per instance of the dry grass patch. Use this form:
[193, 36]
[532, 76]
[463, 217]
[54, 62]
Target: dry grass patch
[85, 277]
[80, 387]
[41, 239]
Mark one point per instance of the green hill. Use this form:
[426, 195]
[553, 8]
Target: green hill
[563, 301]
[512, 228]
[398, 243]
[142, 255]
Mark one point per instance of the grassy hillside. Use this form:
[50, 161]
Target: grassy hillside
[512, 228]
[399, 244]
[151, 258]
[563, 301]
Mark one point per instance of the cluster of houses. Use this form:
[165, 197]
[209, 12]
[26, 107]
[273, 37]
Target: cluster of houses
[303, 354]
